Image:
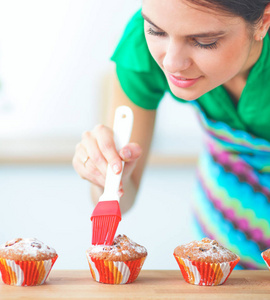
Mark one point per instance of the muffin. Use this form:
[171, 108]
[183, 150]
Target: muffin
[119, 263]
[26, 261]
[266, 257]
[205, 262]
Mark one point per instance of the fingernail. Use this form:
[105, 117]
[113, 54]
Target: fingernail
[116, 168]
[126, 153]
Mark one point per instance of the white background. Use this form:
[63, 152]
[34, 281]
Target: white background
[54, 61]
[52, 204]
[53, 57]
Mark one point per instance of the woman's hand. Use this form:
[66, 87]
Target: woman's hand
[97, 149]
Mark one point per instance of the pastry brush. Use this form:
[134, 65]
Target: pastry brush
[107, 214]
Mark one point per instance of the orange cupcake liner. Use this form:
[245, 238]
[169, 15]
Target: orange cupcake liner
[203, 273]
[114, 272]
[266, 260]
[25, 273]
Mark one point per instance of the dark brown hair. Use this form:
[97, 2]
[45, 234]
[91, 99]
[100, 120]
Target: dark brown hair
[250, 10]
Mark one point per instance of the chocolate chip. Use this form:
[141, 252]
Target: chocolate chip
[201, 249]
[214, 249]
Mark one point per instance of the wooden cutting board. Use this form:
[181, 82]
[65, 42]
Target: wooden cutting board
[149, 285]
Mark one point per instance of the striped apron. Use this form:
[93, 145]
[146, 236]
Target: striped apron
[232, 201]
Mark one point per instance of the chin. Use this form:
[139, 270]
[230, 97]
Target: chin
[191, 98]
[185, 95]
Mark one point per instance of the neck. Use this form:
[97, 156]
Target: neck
[236, 85]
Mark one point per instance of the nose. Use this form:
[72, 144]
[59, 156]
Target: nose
[177, 57]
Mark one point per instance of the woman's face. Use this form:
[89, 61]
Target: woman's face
[197, 48]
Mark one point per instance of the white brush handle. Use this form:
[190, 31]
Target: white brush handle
[122, 127]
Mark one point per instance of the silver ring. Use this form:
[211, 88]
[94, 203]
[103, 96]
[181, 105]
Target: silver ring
[86, 160]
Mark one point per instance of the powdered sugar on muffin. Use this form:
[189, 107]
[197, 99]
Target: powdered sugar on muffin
[206, 250]
[26, 249]
[122, 249]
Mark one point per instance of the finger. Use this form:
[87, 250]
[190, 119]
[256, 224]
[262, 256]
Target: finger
[89, 172]
[130, 152]
[106, 144]
[91, 147]
[85, 168]
[81, 154]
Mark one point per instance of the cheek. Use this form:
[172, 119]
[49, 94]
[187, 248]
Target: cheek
[157, 48]
[223, 63]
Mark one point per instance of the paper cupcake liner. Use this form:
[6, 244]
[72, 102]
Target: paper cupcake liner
[25, 273]
[266, 260]
[203, 273]
[114, 272]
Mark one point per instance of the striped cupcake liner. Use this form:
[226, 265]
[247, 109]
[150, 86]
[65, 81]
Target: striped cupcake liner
[25, 273]
[114, 272]
[203, 273]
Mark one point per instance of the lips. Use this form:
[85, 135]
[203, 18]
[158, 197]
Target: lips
[182, 82]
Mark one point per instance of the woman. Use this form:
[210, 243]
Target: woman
[213, 55]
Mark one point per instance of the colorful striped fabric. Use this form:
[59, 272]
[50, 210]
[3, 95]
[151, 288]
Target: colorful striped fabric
[232, 201]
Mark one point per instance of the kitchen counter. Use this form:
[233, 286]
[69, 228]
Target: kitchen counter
[78, 284]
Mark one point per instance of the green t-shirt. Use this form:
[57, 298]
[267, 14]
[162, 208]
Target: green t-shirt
[145, 84]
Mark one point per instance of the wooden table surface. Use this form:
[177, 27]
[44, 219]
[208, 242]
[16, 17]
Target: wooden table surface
[78, 284]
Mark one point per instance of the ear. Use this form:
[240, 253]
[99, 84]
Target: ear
[264, 24]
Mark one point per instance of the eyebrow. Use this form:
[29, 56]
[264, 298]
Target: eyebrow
[203, 34]
[149, 21]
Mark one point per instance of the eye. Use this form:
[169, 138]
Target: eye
[212, 45]
[156, 33]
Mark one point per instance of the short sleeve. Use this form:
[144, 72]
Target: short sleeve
[140, 76]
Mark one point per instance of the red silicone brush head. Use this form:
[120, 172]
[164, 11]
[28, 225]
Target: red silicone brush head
[104, 229]
[105, 219]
